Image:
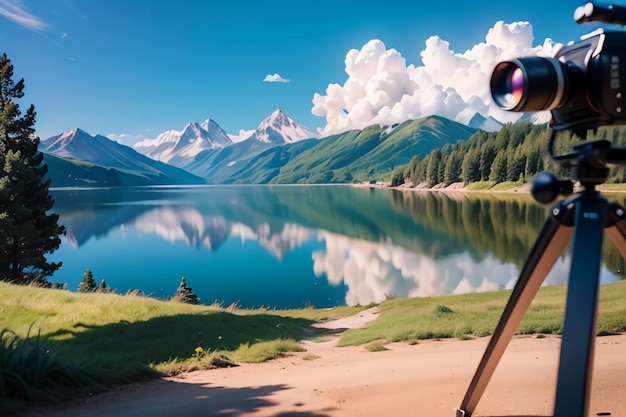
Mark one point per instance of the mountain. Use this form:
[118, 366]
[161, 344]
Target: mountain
[277, 152]
[178, 148]
[207, 151]
[372, 152]
[489, 124]
[264, 167]
[279, 128]
[103, 153]
[217, 165]
[222, 165]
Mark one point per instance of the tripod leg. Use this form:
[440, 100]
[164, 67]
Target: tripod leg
[579, 326]
[550, 244]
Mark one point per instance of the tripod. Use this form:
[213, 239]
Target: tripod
[584, 216]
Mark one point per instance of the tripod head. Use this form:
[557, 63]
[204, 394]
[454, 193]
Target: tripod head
[587, 165]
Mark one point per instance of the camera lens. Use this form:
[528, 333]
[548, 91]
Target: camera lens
[528, 84]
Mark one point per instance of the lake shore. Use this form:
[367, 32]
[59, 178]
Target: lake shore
[459, 187]
[429, 378]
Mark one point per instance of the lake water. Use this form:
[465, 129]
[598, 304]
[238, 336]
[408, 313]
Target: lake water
[297, 246]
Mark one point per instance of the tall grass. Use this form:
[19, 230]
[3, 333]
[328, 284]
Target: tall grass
[30, 371]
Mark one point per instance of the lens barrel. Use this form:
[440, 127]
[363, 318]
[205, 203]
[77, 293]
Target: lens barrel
[528, 84]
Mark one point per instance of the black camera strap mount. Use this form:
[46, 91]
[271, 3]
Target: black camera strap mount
[582, 218]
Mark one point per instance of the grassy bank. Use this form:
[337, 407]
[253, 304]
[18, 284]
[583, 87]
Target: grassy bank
[58, 344]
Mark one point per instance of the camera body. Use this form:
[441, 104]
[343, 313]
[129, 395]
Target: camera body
[583, 86]
[596, 91]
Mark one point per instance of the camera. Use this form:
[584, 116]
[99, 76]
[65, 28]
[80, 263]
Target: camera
[583, 85]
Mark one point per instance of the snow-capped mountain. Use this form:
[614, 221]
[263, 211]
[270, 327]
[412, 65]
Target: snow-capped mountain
[279, 129]
[177, 147]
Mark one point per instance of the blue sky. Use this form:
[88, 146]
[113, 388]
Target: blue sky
[132, 69]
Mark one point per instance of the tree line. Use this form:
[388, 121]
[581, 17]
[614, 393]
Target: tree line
[516, 152]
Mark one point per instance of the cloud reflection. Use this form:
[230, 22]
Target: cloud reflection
[376, 271]
[372, 271]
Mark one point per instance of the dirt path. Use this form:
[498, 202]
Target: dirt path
[426, 379]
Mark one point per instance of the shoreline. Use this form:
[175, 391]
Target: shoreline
[460, 187]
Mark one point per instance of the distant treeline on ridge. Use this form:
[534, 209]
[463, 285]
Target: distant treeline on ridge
[515, 153]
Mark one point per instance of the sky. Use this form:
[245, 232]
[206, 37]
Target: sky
[132, 69]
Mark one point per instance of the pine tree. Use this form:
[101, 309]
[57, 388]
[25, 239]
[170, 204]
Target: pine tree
[28, 231]
[498, 169]
[184, 294]
[88, 284]
[453, 168]
[470, 167]
[432, 170]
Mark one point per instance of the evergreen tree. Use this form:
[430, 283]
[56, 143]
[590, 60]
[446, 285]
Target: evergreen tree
[432, 171]
[532, 162]
[487, 155]
[470, 167]
[28, 230]
[453, 168]
[184, 294]
[88, 284]
[498, 169]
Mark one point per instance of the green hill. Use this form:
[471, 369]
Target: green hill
[371, 153]
[67, 172]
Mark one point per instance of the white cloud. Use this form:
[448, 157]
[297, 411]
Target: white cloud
[241, 136]
[15, 12]
[126, 139]
[275, 78]
[382, 89]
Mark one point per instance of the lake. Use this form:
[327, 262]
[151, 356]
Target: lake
[298, 246]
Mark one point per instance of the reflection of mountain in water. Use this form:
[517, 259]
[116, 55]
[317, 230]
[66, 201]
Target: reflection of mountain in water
[184, 224]
[208, 215]
[378, 243]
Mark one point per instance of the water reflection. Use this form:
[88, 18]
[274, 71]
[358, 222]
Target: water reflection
[330, 244]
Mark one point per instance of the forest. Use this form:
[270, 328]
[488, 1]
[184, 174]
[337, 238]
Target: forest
[515, 153]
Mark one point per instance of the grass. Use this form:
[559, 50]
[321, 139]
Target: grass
[510, 185]
[98, 340]
[494, 186]
[475, 315]
[482, 185]
[376, 347]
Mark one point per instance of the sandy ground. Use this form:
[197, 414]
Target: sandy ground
[426, 379]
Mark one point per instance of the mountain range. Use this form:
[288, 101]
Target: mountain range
[278, 151]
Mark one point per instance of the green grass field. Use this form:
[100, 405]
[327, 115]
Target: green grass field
[58, 344]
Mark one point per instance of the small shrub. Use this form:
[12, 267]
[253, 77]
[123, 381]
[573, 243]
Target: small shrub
[88, 284]
[184, 294]
[376, 347]
[443, 310]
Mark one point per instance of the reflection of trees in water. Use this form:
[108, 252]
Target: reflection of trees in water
[434, 223]
[506, 226]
